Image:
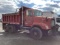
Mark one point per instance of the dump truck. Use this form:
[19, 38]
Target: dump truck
[31, 20]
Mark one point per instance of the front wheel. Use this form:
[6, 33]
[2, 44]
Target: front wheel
[36, 33]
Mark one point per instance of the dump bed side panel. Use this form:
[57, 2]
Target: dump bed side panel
[11, 19]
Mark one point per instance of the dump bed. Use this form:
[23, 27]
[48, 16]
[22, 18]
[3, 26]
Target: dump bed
[13, 18]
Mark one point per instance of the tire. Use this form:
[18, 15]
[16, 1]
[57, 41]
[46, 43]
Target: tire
[11, 29]
[6, 28]
[36, 33]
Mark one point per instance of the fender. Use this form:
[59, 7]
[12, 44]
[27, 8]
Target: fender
[42, 25]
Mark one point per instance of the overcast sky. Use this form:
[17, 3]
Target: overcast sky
[8, 6]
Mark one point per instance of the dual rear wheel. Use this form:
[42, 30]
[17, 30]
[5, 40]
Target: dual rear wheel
[10, 29]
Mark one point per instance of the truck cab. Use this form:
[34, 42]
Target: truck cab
[36, 18]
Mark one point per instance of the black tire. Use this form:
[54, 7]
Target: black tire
[36, 33]
[6, 28]
[10, 29]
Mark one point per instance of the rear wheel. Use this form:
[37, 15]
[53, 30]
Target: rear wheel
[6, 28]
[36, 33]
[11, 29]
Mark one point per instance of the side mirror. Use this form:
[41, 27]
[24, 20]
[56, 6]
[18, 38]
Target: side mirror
[17, 10]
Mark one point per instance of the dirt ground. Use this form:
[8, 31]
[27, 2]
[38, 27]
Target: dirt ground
[24, 39]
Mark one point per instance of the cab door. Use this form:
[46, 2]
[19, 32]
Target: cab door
[29, 17]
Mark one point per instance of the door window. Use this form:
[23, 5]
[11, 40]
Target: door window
[29, 12]
[37, 13]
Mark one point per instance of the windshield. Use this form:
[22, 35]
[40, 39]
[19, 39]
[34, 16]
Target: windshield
[58, 20]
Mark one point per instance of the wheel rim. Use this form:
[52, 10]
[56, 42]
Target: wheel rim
[35, 33]
[6, 29]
